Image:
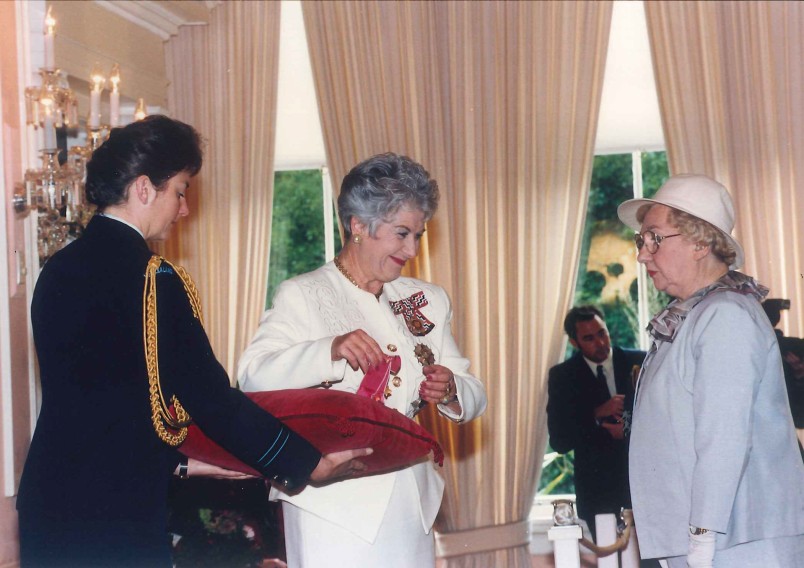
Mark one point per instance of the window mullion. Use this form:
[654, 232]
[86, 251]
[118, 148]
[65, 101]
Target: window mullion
[329, 240]
[643, 302]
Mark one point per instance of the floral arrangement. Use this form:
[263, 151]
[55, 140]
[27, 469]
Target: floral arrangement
[224, 524]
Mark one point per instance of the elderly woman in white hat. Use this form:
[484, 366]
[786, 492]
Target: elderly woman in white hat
[716, 477]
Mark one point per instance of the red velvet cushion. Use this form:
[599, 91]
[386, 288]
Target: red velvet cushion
[331, 421]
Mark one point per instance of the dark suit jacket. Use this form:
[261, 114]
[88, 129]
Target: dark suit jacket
[94, 487]
[795, 385]
[601, 462]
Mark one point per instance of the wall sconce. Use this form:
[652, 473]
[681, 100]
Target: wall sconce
[56, 191]
[52, 104]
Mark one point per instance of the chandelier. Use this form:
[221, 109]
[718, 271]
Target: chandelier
[55, 191]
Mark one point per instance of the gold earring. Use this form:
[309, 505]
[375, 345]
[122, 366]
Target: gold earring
[357, 239]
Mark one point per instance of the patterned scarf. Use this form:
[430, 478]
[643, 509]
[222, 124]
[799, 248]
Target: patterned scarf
[666, 324]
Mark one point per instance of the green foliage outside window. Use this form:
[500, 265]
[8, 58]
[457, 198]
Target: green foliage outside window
[558, 473]
[297, 227]
[654, 172]
[612, 183]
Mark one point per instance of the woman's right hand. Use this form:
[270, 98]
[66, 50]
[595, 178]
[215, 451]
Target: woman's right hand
[613, 407]
[339, 464]
[359, 350]
[197, 468]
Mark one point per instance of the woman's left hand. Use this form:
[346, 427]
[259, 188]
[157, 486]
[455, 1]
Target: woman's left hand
[439, 384]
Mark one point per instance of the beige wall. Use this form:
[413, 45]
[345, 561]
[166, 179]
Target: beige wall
[15, 423]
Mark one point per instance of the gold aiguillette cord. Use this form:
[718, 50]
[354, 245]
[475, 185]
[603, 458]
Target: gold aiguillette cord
[170, 430]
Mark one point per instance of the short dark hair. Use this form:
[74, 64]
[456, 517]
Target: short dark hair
[156, 146]
[580, 313]
[378, 187]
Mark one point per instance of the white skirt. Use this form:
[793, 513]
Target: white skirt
[312, 542]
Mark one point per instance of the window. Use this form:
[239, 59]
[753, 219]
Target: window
[608, 273]
[304, 229]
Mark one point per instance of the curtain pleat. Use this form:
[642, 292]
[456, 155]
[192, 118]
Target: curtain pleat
[731, 94]
[499, 100]
[223, 81]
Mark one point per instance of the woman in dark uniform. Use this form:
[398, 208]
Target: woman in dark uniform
[119, 339]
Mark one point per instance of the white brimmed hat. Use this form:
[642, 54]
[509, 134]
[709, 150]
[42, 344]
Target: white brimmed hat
[697, 195]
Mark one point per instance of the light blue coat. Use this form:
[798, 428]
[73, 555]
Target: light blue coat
[713, 443]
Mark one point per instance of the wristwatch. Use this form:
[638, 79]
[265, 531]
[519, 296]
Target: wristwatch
[697, 530]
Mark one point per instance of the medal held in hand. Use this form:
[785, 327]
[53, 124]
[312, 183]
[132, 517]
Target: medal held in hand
[425, 357]
[375, 382]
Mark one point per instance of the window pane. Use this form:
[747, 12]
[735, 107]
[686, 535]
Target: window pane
[297, 229]
[654, 172]
[558, 473]
[607, 274]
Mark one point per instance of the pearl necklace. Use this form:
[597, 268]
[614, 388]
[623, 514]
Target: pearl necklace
[342, 269]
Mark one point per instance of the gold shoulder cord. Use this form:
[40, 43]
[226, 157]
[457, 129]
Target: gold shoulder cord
[170, 430]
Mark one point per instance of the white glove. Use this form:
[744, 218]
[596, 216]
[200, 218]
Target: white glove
[701, 551]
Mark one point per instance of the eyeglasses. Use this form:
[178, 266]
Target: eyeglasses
[650, 240]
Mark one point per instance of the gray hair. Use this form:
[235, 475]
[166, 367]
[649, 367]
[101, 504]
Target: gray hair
[698, 231]
[375, 189]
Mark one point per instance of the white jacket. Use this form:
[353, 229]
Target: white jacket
[291, 349]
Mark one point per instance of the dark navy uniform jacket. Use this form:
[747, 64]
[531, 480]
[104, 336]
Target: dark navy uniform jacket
[94, 487]
[601, 462]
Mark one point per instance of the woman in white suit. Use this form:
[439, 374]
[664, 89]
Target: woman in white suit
[716, 478]
[330, 326]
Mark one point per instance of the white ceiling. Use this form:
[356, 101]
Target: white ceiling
[299, 142]
[629, 112]
[629, 108]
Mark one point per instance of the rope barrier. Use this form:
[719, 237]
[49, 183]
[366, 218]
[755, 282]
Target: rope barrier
[617, 545]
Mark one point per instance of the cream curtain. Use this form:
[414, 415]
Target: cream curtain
[499, 100]
[223, 81]
[731, 93]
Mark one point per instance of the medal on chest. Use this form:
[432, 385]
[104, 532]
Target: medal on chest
[410, 310]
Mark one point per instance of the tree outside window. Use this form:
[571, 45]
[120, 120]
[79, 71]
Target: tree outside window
[298, 237]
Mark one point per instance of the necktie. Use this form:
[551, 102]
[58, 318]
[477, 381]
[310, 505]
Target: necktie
[601, 376]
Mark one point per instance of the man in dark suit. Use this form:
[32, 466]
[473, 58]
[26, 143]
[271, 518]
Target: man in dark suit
[588, 394]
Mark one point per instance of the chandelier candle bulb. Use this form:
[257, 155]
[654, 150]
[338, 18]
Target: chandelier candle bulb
[114, 114]
[49, 129]
[98, 81]
[94, 109]
[141, 111]
[50, 32]
[114, 97]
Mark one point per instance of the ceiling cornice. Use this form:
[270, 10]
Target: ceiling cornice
[163, 18]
